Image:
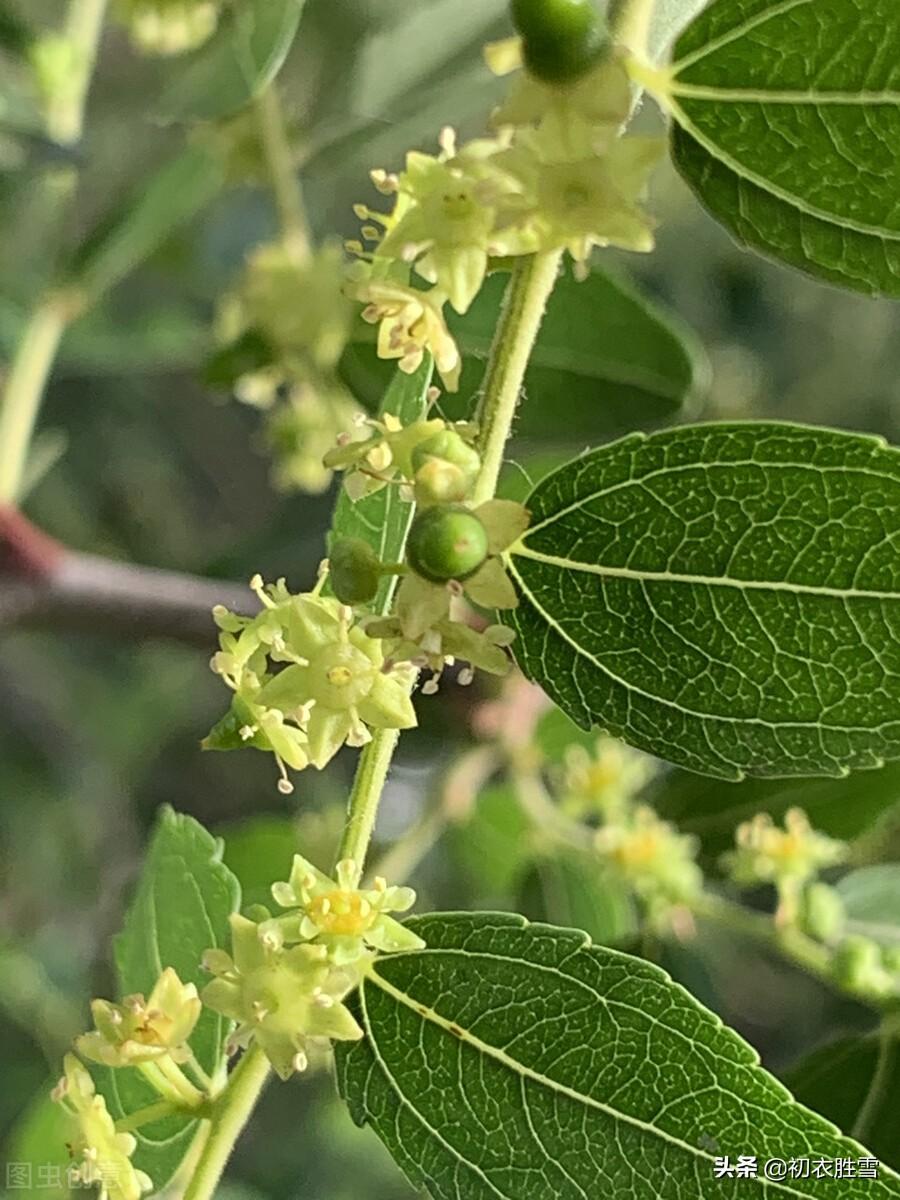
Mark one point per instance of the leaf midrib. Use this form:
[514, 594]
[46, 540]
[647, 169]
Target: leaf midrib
[455, 1031]
[645, 576]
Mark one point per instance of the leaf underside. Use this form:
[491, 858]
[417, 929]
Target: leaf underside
[787, 126]
[724, 596]
[510, 1060]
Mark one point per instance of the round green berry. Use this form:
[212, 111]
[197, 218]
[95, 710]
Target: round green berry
[353, 570]
[446, 542]
[561, 39]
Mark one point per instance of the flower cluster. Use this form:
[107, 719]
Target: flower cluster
[283, 329]
[102, 1154]
[287, 977]
[169, 26]
[306, 679]
[555, 174]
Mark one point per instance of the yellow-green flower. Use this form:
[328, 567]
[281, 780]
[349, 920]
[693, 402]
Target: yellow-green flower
[410, 322]
[169, 26]
[381, 456]
[281, 998]
[138, 1030]
[652, 857]
[448, 209]
[349, 921]
[766, 854]
[296, 300]
[332, 690]
[302, 429]
[604, 781]
[589, 200]
[602, 98]
[102, 1154]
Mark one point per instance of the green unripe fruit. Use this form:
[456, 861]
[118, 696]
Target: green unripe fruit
[445, 468]
[353, 570]
[561, 39]
[821, 912]
[446, 542]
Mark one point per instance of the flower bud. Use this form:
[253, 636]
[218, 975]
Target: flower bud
[445, 468]
[821, 912]
[354, 570]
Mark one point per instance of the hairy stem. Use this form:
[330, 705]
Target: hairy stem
[36, 351]
[230, 1114]
[526, 297]
[362, 807]
[282, 172]
[523, 308]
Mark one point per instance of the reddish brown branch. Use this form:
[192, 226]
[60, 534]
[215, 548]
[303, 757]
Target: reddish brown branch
[43, 583]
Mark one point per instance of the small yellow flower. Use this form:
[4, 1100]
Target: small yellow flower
[651, 857]
[103, 1155]
[603, 782]
[448, 215]
[169, 26]
[139, 1030]
[589, 200]
[766, 854]
[347, 920]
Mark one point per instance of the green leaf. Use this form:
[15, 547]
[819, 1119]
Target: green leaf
[383, 519]
[493, 847]
[134, 229]
[711, 809]
[511, 1061]
[871, 899]
[234, 66]
[787, 126]
[606, 357]
[570, 888]
[725, 596]
[181, 908]
[260, 851]
[839, 1081]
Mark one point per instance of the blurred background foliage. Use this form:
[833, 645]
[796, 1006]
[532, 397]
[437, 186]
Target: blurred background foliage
[153, 468]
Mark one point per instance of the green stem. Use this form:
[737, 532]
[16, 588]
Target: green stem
[28, 375]
[231, 1112]
[631, 24]
[282, 171]
[145, 1116]
[36, 351]
[362, 807]
[884, 1065]
[795, 945]
[526, 297]
[523, 308]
